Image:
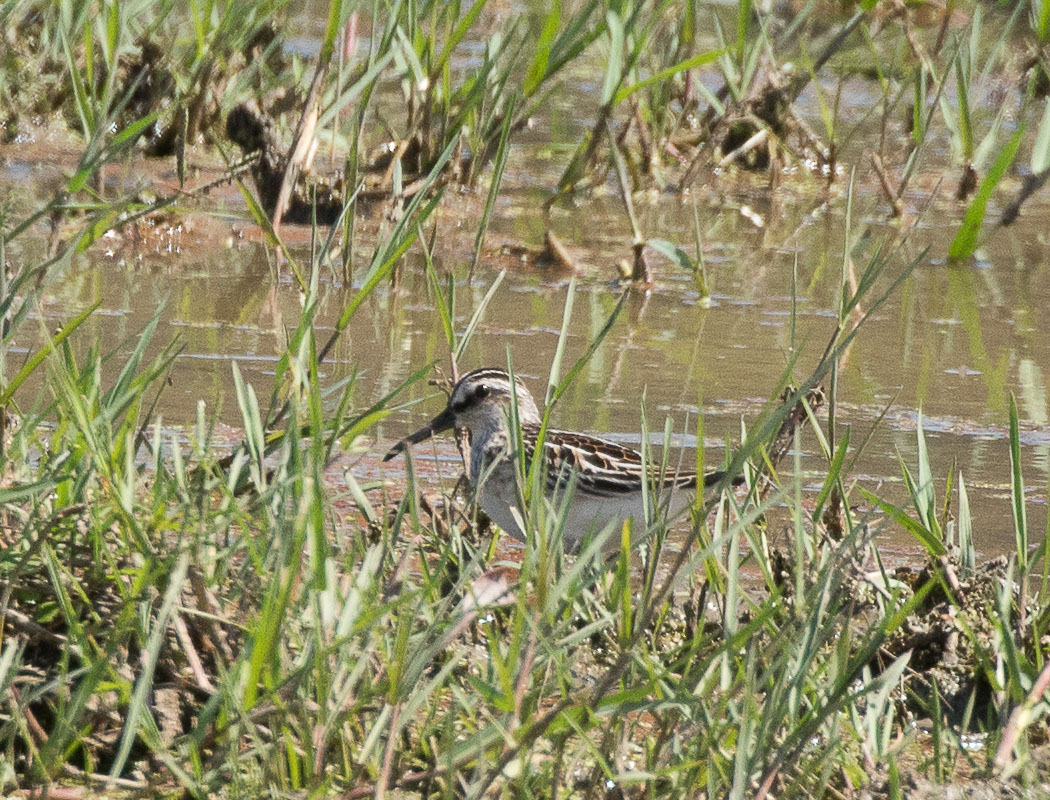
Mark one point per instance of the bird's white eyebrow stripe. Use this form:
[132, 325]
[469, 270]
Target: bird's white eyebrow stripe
[486, 372]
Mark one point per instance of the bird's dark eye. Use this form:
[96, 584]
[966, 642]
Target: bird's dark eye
[481, 392]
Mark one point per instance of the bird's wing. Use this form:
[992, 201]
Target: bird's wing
[601, 467]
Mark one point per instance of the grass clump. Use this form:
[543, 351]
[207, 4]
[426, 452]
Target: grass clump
[185, 623]
[188, 619]
[176, 67]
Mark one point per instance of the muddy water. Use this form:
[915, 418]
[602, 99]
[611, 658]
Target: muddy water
[955, 341]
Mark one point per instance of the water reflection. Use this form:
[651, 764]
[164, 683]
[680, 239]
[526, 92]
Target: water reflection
[955, 341]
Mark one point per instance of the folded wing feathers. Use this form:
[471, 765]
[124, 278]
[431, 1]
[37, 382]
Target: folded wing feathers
[602, 467]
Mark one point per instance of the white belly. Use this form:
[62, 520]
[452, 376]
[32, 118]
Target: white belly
[497, 499]
[586, 516]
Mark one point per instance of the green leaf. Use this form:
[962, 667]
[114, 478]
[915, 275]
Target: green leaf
[965, 241]
[444, 312]
[563, 336]
[967, 557]
[456, 37]
[834, 474]
[696, 61]
[927, 539]
[614, 67]
[498, 167]
[21, 492]
[918, 116]
[479, 313]
[540, 61]
[132, 131]
[1041, 148]
[138, 713]
[98, 227]
[352, 92]
[262, 219]
[331, 32]
[743, 17]
[34, 362]
[672, 252]
[962, 76]
[1017, 492]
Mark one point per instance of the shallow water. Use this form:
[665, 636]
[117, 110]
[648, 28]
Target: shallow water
[955, 341]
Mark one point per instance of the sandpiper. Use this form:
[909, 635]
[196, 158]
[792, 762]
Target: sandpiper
[600, 481]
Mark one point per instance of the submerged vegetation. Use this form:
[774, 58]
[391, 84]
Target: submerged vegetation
[181, 617]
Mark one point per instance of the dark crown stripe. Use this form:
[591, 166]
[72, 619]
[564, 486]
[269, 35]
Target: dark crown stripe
[486, 372]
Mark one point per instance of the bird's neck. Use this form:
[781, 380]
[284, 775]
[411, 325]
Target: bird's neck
[490, 440]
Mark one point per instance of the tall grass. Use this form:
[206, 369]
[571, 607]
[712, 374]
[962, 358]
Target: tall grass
[183, 618]
[207, 625]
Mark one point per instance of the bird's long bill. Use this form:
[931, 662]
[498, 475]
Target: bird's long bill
[442, 422]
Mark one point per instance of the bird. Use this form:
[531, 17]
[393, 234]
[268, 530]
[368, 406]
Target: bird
[600, 481]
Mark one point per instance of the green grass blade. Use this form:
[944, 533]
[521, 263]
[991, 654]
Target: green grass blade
[614, 66]
[967, 555]
[965, 242]
[38, 357]
[443, 304]
[454, 39]
[962, 91]
[537, 70]
[833, 477]
[502, 150]
[137, 708]
[1041, 147]
[1020, 516]
[933, 545]
[563, 335]
[699, 60]
[478, 315]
